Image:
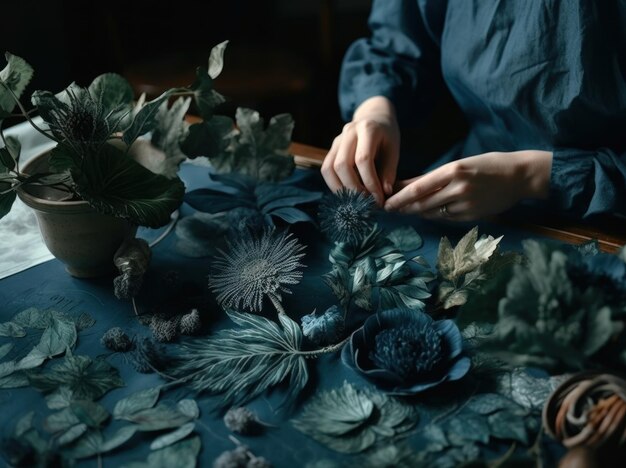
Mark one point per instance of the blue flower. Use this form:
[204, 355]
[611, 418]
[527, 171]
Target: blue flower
[405, 351]
[346, 216]
[323, 329]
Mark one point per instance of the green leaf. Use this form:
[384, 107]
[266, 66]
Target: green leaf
[405, 238]
[93, 443]
[206, 98]
[170, 131]
[90, 413]
[508, 426]
[32, 318]
[6, 199]
[59, 399]
[181, 455]
[136, 402]
[87, 379]
[172, 437]
[189, 408]
[63, 158]
[158, 418]
[489, 403]
[7, 162]
[241, 363]
[468, 428]
[350, 421]
[14, 77]
[12, 329]
[146, 119]
[5, 349]
[216, 60]
[57, 338]
[113, 92]
[71, 434]
[14, 380]
[61, 421]
[115, 184]
[210, 138]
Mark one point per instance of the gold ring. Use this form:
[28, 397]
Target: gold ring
[443, 210]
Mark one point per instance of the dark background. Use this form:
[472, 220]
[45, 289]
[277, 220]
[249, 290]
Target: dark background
[283, 55]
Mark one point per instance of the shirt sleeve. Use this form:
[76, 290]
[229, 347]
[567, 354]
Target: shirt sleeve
[586, 183]
[400, 58]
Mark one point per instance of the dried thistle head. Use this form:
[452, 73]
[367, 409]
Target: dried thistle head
[346, 216]
[79, 118]
[256, 266]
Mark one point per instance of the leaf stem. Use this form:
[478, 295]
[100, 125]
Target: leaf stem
[25, 113]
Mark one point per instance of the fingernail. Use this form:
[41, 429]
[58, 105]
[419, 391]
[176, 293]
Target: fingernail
[389, 207]
[388, 188]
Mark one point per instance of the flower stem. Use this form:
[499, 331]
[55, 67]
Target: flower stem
[325, 350]
[279, 307]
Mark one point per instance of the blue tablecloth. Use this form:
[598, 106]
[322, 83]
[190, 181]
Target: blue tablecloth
[49, 286]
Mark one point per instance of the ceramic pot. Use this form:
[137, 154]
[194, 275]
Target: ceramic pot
[80, 237]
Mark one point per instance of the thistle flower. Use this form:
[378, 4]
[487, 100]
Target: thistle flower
[405, 351]
[240, 420]
[116, 340]
[190, 323]
[254, 267]
[346, 216]
[325, 328]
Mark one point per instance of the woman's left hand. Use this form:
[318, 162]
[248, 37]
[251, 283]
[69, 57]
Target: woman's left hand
[475, 187]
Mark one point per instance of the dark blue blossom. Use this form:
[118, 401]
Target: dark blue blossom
[405, 351]
[325, 328]
[346, 216]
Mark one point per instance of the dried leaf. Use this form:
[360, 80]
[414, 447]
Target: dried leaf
[350, 421]
[136, 402]
[405, 238]
[241, 363]
[87, 379]
[172, 437]
[181, 455]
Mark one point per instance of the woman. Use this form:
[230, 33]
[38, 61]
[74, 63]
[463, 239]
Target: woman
[541, 82]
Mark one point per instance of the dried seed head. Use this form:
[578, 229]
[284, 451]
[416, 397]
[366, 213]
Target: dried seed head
[116, 340]
[240, 420]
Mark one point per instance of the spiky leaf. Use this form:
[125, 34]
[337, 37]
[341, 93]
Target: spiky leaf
[241, 363]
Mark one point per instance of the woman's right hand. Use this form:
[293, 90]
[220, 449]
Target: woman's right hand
[365, 156]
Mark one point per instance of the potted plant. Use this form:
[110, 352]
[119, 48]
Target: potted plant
[101, 180]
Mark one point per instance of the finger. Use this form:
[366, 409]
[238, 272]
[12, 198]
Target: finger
[400, 184]
[455, 211]
[441, 197]
[344, 161]
[426, 185]
[364, 157]
[328, 172]
[388, 167]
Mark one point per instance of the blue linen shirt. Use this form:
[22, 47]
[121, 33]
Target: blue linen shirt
[528, 74]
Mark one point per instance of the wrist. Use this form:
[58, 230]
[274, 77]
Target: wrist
[535, 169]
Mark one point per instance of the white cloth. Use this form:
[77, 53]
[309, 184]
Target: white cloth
[21, 245]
